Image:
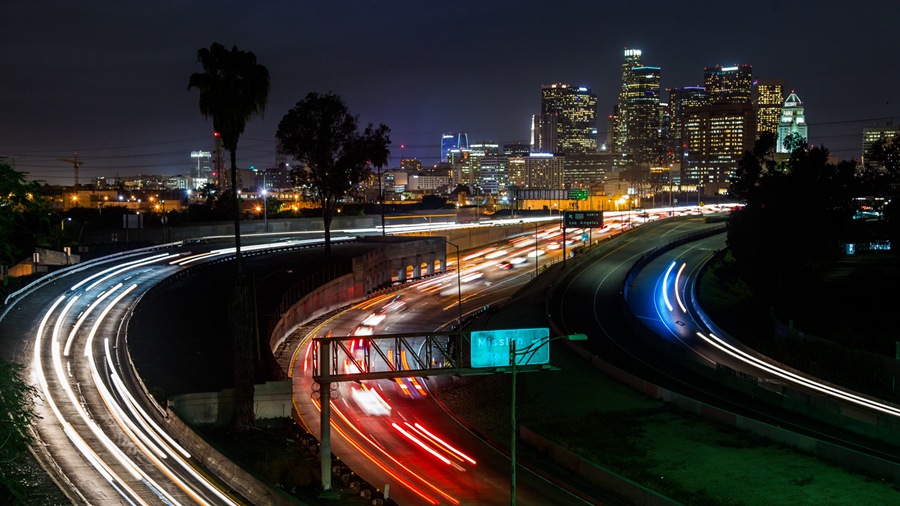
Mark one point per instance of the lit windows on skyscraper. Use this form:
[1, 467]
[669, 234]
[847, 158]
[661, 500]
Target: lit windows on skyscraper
[729, 85]
[769, 101]
[576, 116]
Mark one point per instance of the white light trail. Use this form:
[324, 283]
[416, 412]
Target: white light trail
[796, 378]
[677, 291]
[665, 290]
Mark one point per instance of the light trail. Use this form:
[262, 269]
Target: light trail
[440, 442]
[665, 289]
[115, 267]
[418, 442]
[677, 291]
[796, 378]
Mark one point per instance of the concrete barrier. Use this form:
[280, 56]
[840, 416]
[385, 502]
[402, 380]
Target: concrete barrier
[246, 484]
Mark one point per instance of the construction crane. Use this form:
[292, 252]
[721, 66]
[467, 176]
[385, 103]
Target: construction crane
[76, 164]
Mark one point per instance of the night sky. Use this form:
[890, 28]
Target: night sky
[108, 80]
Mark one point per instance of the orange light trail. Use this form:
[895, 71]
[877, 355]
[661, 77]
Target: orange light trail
[377, 462]
[341, 415]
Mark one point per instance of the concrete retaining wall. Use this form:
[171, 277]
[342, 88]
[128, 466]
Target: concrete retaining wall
[271, 400]
[247, 485]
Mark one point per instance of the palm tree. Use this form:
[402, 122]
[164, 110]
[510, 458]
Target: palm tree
[376, 145]
[233, 88]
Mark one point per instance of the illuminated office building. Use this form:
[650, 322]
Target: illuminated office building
[636, 126]
[517, 148]
[793, 122]
[544, 135]
[485, 149]
[680, 99]
[453, 141]
[642, 138]
[544, 171]
[717, 136]
[516, 171]
[618, 120]
[769, 101]
[493, 174]
[873, 135]
[729, 85]
[575, 109]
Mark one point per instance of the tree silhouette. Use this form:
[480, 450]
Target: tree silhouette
[321, 134]
[23, 214]
[16, 413]
[793, 217]
[233, 88]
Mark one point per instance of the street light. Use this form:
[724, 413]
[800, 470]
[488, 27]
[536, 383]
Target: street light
[530, 350]
[458, 287]
[62, 230]
[265, 207]
[164, 219]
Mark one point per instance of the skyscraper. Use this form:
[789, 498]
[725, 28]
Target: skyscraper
[680, 100]
[453, 141]
[636, 120]
[576, 117]
[642, 138]
[729, 85]
[793, 122]
[873, 135]
[717, 137]
[544, 135]
[619, 123]
[769, 101]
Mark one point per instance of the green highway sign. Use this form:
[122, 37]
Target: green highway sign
[583, 219]
[578, 194]
[490, 348]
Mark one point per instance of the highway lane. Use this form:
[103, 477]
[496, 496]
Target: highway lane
[665, 302]
[102, 438]
[394, 432]
[101, 433]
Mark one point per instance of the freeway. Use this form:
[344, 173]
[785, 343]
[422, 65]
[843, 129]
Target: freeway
[103, 439]
[393, 433]
[662, 297]
[103, 434]
[99, 431]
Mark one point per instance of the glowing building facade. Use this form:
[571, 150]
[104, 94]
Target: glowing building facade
[576, 117]
[769, 101]
[453, 141]
[729, 85]
[793, 122]
[717, 137]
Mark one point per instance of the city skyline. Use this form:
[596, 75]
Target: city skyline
[112, 86]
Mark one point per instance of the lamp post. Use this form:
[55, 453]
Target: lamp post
[513, 357]
[458, 287]
[62, 230]
[381, 197]
[265, 207]
[164, 219]
[536, 249]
